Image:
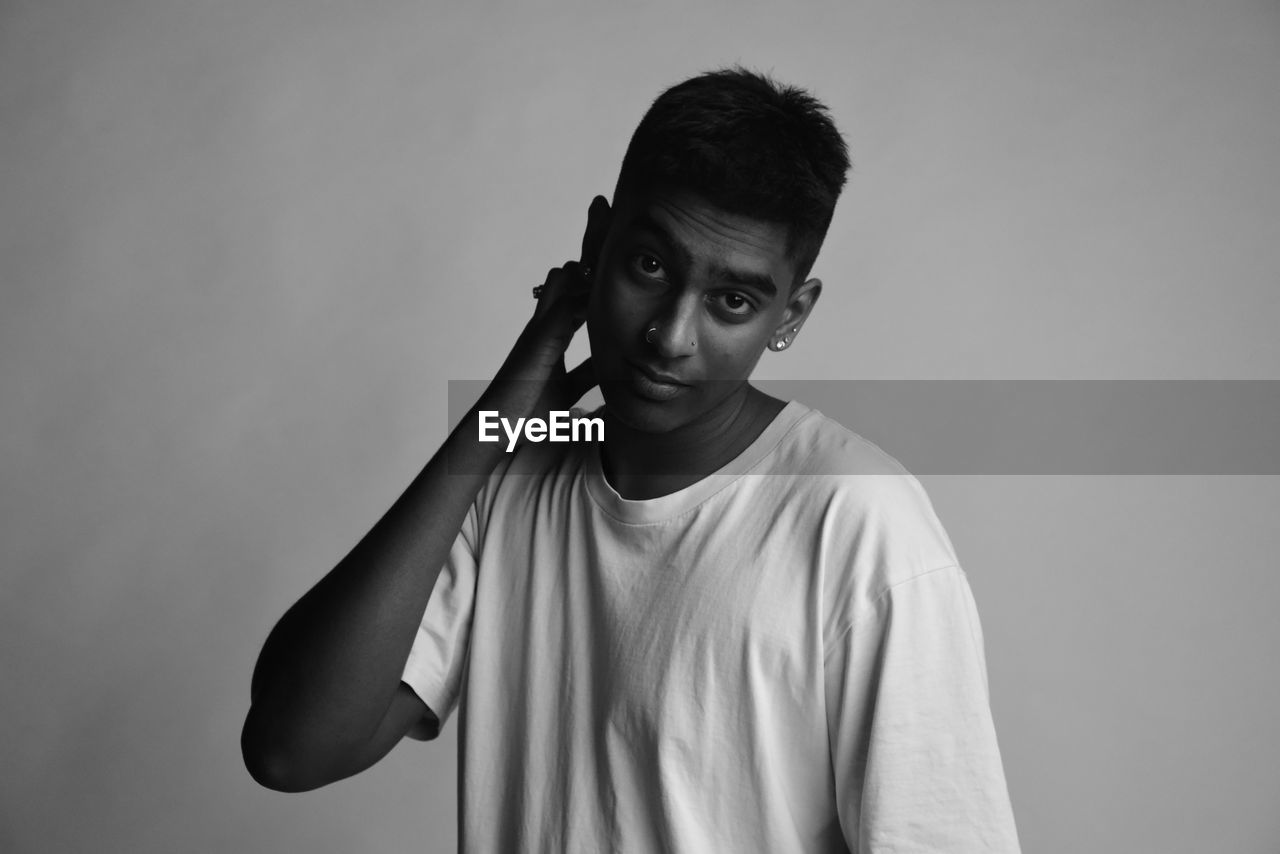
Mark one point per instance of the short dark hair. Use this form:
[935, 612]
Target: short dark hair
[748, 144]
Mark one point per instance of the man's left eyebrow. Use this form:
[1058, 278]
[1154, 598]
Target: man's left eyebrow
[762, 282]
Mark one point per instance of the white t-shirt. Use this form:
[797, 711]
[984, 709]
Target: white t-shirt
[782, 657]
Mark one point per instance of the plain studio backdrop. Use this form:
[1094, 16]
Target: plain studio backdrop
[245, 245]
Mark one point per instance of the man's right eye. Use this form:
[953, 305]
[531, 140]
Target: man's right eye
[648, 265]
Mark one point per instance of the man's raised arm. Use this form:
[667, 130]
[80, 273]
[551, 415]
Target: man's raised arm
[326, 695]
[326, 698]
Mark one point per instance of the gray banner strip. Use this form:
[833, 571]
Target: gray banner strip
[1059, 427]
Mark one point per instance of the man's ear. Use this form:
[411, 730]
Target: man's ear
[799, 305]
[599, 217]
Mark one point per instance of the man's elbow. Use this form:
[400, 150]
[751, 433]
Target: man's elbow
[274, 767]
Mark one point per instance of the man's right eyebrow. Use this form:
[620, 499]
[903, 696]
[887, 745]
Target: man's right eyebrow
[644, 221]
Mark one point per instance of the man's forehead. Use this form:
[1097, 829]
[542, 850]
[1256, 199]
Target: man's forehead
[689, 217]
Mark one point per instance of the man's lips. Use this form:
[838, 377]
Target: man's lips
[658, 376]
[650, 384]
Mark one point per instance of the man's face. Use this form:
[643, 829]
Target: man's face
[716, 287]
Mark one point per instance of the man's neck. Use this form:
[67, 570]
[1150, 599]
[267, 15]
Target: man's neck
[641, 465]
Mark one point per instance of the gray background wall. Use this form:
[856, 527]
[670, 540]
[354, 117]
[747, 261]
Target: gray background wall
[244, 245]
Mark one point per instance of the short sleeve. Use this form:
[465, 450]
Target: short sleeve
[437, 659]
[913, 745]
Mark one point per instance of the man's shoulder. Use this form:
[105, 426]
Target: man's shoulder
[867, 495]
[821, 445]
[835, 461]
[880, 526]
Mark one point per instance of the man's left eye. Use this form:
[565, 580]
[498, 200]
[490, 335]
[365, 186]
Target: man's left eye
[735, 303]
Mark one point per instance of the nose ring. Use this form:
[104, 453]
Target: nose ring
[649, 336]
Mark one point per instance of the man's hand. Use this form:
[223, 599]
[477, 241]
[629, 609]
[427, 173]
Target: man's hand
[533, 380]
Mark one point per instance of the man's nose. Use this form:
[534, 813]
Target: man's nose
[674, 331]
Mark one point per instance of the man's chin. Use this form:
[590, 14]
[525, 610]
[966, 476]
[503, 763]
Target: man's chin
[709, 401]
[640, 414]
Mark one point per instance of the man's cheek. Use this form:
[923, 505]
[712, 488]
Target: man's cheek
[600, 341]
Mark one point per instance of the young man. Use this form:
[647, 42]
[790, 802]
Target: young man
[733, 625]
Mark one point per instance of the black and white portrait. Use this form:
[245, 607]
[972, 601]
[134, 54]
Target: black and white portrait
[678, 427]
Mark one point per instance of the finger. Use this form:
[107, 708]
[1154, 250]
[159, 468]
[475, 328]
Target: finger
[559, 281]
[571, 281]
[580, 380]
[567, 278]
